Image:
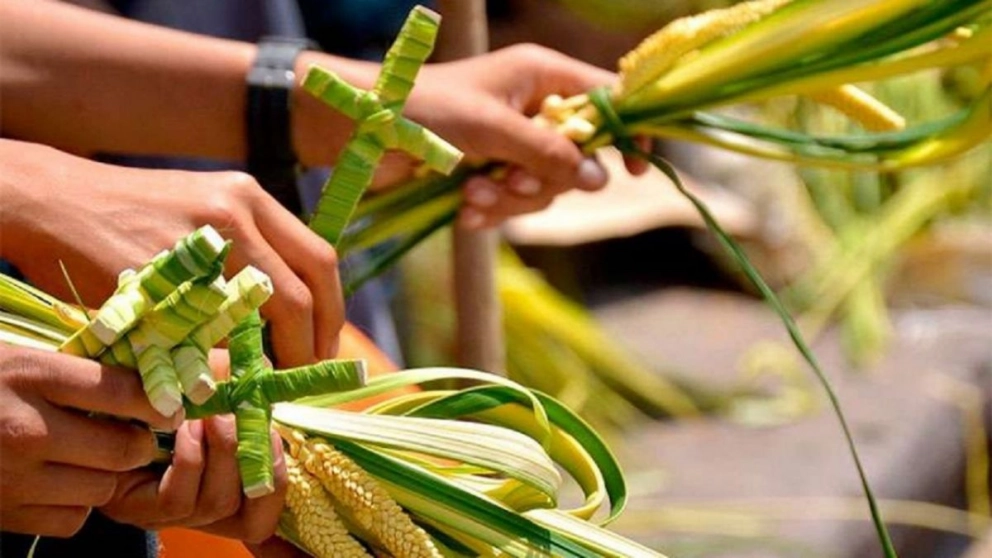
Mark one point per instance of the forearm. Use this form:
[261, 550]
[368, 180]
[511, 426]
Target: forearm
[88, 82]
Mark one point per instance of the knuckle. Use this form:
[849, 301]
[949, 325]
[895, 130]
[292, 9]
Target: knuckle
[22, 369]
[529, 52]
[242, 184]
[220, 506]
[224, 205]
[298, 299]
[27, 432]
[173, 506]
[221, 435]
[224, 506]
[129, 450]
[104, 491]
[116, 385]
[68, 522]
[326, 258]
[563, 155]
[191, 461]
[220, 210]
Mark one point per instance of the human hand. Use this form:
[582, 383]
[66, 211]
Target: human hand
[100, 219]
[201, 488]
[483, 104]
[58, 463]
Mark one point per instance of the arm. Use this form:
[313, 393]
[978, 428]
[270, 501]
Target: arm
[86, 82]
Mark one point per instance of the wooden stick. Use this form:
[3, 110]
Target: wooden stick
[479, 335]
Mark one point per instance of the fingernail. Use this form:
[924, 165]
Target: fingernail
[482, 195]
[591, 174]
[195, 431]
[178, 418]
[527, 186]
[472, 219]
[277, 454]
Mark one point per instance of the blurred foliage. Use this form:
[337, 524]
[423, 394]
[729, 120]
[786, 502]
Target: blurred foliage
[638, 14]
[865, 235]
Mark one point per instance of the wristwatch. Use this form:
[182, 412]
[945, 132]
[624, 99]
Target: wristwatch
[271, 159]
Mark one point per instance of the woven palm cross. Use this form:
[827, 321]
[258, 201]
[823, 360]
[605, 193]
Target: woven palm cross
[380, 124]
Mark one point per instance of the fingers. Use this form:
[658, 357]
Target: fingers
[220, 492]
[258, 517]
[316, 262]
[547, 156]
[177, 494]
[488, 203]
[64, 485]
[636, 165]
[47, 521]
[220, 364]
[89, 386]
[306, 305]
[558, 74]
[201, 486]
[106, 445]
[145, 499]
[291, 307]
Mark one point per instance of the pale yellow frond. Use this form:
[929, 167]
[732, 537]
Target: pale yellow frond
[659, 52]
[861, 107]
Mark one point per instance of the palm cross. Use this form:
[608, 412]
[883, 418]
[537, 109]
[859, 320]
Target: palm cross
[380, 124]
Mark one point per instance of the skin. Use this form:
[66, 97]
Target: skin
[90, 83]
[99, 219]
[107, 75]
[58, 464]
[201, 487]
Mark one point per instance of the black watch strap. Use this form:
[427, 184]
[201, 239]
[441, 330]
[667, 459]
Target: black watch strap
[271, 159]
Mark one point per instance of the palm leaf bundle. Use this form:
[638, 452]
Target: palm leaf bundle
[430, 473]
[686, 81]
[680, 83]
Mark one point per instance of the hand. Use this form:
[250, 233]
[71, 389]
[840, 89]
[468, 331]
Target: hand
[201, 487]
[100, 219]
[482, 106]
[58, 463]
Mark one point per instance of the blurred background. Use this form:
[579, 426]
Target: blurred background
[622, 305]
